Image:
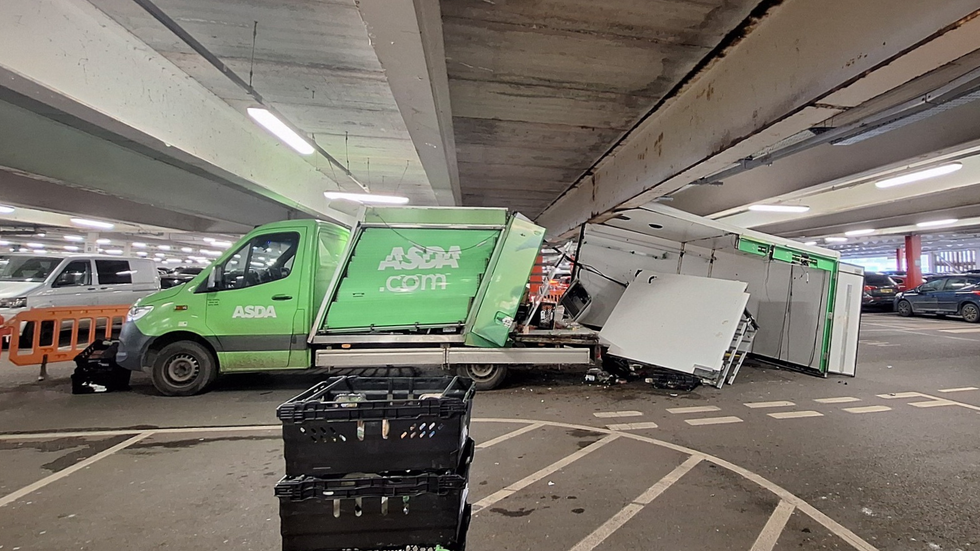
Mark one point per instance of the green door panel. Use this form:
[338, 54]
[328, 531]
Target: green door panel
[404, 277]
[508, 281]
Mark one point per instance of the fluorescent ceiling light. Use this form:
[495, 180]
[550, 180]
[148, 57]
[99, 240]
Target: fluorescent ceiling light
[779, 208]
[835, 239]
[159, 255]
[4, 209]
[172, 261]
[919, 175]
[141, 253]
[74, 238]
[281, 130]
[186, 249]
[810, 243]
[854, 233]
[209, 240]
[4, 243]
[35, 245]
[114, 251]
[222, 244]
[103, 241]
[71, 248]
[366, 198]
[137, 245]
[163, 247]
[92, 223]
[937, 223]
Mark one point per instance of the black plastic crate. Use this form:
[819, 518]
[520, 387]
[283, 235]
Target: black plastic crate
[377, 425]
[373, 512]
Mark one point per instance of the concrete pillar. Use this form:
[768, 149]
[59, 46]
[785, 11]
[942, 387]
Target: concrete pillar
[913, 261]
[91, 246]
[898, 259]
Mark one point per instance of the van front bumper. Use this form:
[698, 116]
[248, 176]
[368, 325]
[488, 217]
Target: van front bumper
[133, 345]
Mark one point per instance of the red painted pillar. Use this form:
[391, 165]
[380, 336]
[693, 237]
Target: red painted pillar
[898, 259]
[913, 261]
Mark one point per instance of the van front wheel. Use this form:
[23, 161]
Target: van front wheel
[184, 368]
[485, 376]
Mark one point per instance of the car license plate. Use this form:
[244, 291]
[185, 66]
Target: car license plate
[887, 291]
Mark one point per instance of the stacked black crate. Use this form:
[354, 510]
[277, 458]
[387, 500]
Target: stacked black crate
[376, 463]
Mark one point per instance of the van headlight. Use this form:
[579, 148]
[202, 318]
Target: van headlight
[137, 312]
[19, 302]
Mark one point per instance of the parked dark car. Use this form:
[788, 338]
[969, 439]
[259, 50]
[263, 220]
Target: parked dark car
[179, 276]
[955, 295]
[879, 291]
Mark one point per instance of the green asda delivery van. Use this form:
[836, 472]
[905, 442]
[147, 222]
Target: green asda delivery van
[403, 286]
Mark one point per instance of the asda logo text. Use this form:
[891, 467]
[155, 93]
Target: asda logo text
[254, 312]
[417, 258]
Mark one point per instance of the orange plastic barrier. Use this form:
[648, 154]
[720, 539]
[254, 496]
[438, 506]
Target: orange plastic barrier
[49, 327]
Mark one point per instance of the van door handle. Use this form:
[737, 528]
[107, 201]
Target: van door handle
[91, 288]
[103, 288]
[281, 297]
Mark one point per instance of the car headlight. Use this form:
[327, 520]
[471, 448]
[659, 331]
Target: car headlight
[137, 312]
[19, 302]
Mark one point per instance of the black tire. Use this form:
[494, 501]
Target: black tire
[970, 312]
[904, 309]
[485, 376]
[184, 368]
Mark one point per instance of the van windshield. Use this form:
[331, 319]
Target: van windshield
[27, 268]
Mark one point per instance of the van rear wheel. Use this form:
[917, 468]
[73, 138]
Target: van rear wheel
[485, 376]
[184, 368]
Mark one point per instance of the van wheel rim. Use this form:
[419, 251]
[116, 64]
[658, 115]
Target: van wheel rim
[182, 369]
[481, 371]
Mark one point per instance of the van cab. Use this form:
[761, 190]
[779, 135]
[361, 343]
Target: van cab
[52, 280]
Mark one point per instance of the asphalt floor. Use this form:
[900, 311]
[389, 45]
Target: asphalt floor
[887, 460]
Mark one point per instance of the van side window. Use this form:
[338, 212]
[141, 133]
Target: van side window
[76, 273]
[113, 272]
[263, 259]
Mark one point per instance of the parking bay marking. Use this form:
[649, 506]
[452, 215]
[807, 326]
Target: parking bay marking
[868, 409]
[774, 527]
[610, 414]
[779, 404]
[633, 426]
[794, 414]
[532, 478]
[694, 409]
[712, 421]
[617, 521]
[961, 389]
[969, 330]
[838, 400]
[508, 436]
[928, 397]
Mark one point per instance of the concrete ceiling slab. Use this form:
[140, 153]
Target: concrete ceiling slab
[554, 83]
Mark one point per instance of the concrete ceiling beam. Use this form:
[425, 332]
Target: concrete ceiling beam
[407, 36]
[75, 59]
[766, 83]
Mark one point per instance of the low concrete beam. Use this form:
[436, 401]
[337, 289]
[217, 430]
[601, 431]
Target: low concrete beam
[773, 72]
[407, 36]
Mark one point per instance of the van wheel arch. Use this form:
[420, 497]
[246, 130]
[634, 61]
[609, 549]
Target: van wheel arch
[163, 340]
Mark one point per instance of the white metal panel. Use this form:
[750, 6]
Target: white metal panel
[526, 356]
[847, 320]
[675, 321]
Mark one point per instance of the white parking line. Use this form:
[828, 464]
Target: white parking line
[774, 527]
[609, 414]
[779, 404]
[694, 409]
[961, 389]
[54, 477]
[633, 426]
[712, 421]
[839, 400]
[932, 403]
[794, 414]
[868, 409]
[901, 395]
[532, 478]
[508, 436]
[617, 521]
[970, 330]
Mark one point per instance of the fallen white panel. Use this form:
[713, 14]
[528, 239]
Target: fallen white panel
[684, 323]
